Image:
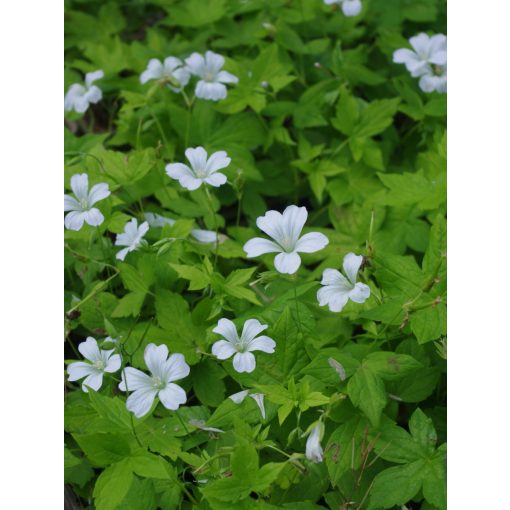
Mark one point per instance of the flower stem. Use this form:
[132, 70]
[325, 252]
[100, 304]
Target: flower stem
[297, 307]
[215, 223]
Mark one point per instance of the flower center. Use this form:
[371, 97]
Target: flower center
[84, 203]
[158, 383]
[209, 76]
[99, 364]
[286, 244]
[201, 173]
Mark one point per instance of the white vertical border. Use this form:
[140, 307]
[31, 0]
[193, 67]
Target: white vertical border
[31, 155]
[479, 253]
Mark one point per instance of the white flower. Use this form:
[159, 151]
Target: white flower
[171, 71]
[258, 397]
[212, 78]
[81, 206]
[145, 388]
[338, 289]
[349, 7]
[132, 237]
[79, 97]
[285, 229]
[314, 450]
[203, 169]
[244, 360]
[100, 362]
[202, 236]
[428, 61]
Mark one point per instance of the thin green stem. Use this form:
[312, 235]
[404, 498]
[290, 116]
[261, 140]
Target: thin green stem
[215, 224]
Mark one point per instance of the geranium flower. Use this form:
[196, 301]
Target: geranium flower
[80, 208]
[203, 169]
[101, 361]
[338, 289]
[145, 388]
[132, 237]
[244, 360]
[285, 229]
[171, 71]
[79, 97]
[314, 450]
[349, 7]
[258, 397]
[202, 236]
[212, 78]
[428, 61]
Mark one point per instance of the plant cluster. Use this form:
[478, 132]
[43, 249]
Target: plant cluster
[255, 202]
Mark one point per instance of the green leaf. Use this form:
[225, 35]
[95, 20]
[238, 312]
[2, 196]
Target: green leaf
[112, 409]
[376, 117]
[245, 463]
[208, 384]
[103, 449]
[423, 431]
[129, 305]
[429, 324]
[391, 366]
[149, 465]
[366, 391]
[112, 485]
[396, 485]
[197, 278]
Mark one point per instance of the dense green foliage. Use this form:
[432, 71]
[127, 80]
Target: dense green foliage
[321, 118]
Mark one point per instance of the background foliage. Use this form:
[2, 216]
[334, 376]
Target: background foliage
[322, 118]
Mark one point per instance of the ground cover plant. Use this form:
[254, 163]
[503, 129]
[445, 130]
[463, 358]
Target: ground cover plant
[255, 254]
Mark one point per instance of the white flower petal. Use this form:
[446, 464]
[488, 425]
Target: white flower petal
[217, 179]
[360, 293]
[351, 7]
[262, 343]
[154, 71]
[195, 63]
[75, 92]
[287, 263]
[93, 217]
[182, 75]
[172, 396]
[438, 58]
[140, 401]
[239, 397]
[94, 381]
[74, 220]
[89, 349]
[312, 242]
[438, 45]
[405, 56]
[121, 255]
[251, 328]
[171, 63]
[213, 62]
[334, 277]
[212, 91]
[155, 357]
[272, 224]
[294, 219]
[223, 349]
[79, 370]
[93, 95]
[71, 204]
[176, 368]
[204, 236]
[98, 192]
[338, 299]
[226, 77]
[420, 43]
[93, 76]
[178, 170]
[313, 448]
[351, 265]
[80, 186]
[113, 363]
[135, 379]
[259, 398]
[217, 161]
[81, 104]
[244, 362]
[227, 329]
[197, 158]
[258, 246]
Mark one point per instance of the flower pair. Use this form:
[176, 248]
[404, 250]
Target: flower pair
[427, 60]
[164, 370]
[176, 74]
